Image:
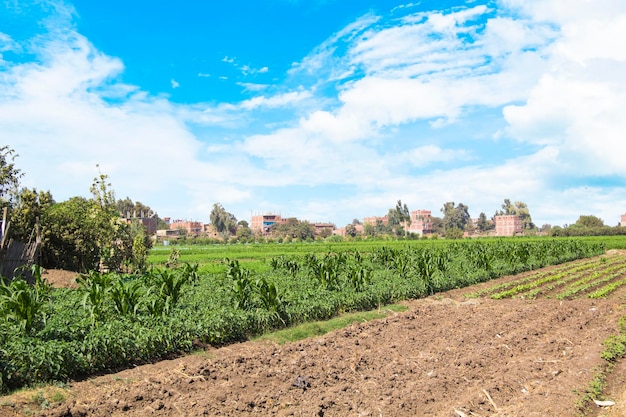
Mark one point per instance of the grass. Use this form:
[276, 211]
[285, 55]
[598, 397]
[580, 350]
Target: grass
[319, 328]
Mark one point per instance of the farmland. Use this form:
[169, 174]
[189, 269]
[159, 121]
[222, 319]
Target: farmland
[251, 293]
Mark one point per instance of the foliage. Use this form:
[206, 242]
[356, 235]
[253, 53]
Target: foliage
[25, 305]
[455, 217]
[9, 174]
[223, 221]
[294, 229]
[397, 217]
[83, 235]
[114, 320]
[29, 206]
[483, 224]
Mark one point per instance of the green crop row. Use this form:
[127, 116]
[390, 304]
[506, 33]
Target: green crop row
[115, 321]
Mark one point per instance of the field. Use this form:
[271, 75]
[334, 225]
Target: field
[525, 344]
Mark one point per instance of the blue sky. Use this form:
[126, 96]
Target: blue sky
[323, 110]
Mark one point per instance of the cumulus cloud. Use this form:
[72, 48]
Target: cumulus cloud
[401, 105]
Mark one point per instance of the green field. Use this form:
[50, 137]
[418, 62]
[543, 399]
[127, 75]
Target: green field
[224, 293]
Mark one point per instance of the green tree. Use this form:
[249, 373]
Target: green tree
[398, 217]
[589, 221]
[483, 224]
[455, 217]
[351, 230]
[223, 221]
[28, 207]
[86, 234]
[294, 229]
[9, 175]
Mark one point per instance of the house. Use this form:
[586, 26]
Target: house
[421, 222]
[189, 227]
[623, 220]
[262, 223]
[508, 225]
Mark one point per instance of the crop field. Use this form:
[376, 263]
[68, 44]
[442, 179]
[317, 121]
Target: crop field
[592, 278]
[115, 321]
[517, 326]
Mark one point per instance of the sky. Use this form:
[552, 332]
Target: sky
[325, 110]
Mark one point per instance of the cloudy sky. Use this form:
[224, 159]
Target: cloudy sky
[326, 110]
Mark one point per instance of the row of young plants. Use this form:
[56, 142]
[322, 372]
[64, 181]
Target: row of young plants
[114, 321]
[592, 278]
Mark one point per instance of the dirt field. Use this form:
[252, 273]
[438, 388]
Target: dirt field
[446, 356]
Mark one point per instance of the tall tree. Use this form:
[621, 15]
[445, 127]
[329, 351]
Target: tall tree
[223, 221]
[397, 217]
[483, 224]
[455, 217]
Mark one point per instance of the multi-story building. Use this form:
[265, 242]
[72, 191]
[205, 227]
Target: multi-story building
[421, 222]
[508, 225]
[191, 228]
[623, 220]
[262, 223]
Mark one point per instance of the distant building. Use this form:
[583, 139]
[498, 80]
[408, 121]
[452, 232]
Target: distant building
[191, 228]
[421, 222]
[374, 219]
[320, 227]
[262, 223]
[623, 220]
[508, 225]
[149, 223]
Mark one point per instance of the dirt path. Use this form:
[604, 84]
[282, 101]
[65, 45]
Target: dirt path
[446, 356]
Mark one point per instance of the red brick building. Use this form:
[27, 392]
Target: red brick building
[192, 228]
[261, 223]
[421, 222]
[508, 225]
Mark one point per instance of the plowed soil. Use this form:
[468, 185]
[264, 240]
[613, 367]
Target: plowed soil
[445, 356]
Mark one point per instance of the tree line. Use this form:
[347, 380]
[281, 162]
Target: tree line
[79, 234]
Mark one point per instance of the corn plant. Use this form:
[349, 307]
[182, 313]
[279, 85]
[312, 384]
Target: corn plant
[25, 305]
[242, 284]
[126, 297]
[271, 299]
[95, 287]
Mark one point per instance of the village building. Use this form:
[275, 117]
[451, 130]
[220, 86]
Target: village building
[508, 225]
[421, 222]
[262, 223]
[190, 227]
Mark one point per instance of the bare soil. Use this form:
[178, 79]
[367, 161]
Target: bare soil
[446, 356]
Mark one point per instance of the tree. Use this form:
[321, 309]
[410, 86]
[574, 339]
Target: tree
[86, 234]
[589, 221]
[519, 208]
[438, 225]
[295, 229]
[28, 207]
[9, 175]
[223, 221]
[455, 217]
[483, 224]
[397, 217]
[351, 230]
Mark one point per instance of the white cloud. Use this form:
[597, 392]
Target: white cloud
[377, 102]
[577, 103]
[279, 100]
[175, 84]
